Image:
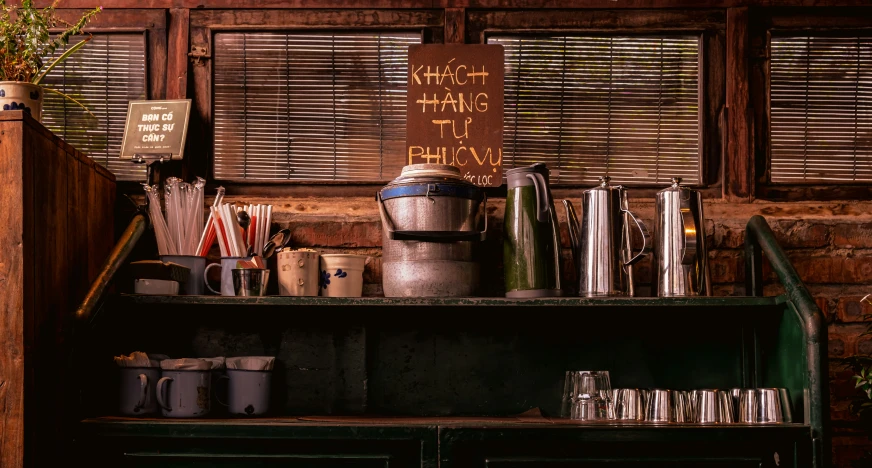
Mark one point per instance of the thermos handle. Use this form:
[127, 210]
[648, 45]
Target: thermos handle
[543, 202]
[143, 389]
[691, 231]
[161, 400]
[646, 238]
[431, 236]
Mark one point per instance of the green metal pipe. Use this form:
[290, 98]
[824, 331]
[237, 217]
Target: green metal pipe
[760, 240]
[116, 258]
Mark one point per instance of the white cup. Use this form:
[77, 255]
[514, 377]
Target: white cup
[227, 265]
[342, 275]
[298, 272]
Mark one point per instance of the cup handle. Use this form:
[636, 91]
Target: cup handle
[206, 276]
[161, 400]
[646, 239]
[143, 389]
[691, 233]
[217, 396]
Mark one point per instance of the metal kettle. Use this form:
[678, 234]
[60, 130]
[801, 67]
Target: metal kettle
[680, 255]
[601, 243]
[531, 237]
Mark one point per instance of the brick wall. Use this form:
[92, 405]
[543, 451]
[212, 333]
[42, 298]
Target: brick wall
[829, 243]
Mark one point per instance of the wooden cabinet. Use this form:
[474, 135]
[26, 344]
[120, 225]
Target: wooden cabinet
[56, 229]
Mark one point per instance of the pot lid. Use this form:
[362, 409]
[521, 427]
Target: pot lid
[675, 187]
[604, 185]
[431, 180]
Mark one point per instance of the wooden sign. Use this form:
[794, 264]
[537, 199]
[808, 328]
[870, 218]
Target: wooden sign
[455, 109]
[156, 129]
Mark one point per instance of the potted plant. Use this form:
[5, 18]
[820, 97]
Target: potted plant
[862, 404]
[26, 48]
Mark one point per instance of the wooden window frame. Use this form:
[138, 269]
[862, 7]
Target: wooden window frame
[710, 24]
[781, 21]
[205, 23]
[153, 24]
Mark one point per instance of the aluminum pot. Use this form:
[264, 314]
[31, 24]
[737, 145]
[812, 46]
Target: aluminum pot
[432, 221]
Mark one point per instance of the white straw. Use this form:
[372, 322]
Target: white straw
[219, 233]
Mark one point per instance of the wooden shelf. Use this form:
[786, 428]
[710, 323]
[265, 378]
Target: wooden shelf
[383, 421]
[684, 302]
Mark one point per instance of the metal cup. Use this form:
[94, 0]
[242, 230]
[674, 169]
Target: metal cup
[747, 406]
[769, 406]
[706, 406]
[786, 405]
[726, 411]
[681, 407]
[659, 406]
[628, 404]
[250, 281]
[735, 393]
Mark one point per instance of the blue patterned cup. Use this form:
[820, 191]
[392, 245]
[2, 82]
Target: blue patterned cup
[342, 275]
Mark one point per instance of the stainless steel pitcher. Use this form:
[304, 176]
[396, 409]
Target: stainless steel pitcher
[601, 243]
[680, 261]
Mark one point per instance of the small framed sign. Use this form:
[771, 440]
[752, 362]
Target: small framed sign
[156, 129]
[454, 112]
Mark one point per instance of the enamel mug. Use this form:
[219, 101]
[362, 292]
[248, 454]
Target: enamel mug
[137, 390]
[248, 391]
[298, 272]
[184, 393]
[227, 265]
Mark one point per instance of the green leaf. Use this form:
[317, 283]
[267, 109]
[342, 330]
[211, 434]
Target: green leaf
[60, 59]
[70, 98]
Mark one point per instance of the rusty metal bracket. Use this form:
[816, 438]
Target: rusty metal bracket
[199, 53]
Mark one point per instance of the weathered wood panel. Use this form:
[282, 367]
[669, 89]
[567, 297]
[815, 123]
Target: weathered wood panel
[177, 54]
[738, 158]
[57, 232]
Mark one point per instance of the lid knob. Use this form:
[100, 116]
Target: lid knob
[676, 181]
[604, 181]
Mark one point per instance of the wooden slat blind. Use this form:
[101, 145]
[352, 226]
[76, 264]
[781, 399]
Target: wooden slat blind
[627, 107]
[821, 109]
[103, 75]
[310, 106]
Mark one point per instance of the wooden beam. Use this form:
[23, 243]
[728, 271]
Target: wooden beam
[177, 54]
[501, 4]
[737, 160]
[455, 25]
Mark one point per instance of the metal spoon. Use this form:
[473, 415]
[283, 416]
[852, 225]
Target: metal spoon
[243, 219]
[280, 238]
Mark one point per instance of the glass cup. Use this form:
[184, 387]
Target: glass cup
[591, 398]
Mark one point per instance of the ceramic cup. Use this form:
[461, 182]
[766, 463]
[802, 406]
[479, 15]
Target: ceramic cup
[154, 286]
[298, 272]
[248, 391]
[184, 393]
[15, 95]
[137, 387]
[227, 265]
[342, 275]
[197, 265]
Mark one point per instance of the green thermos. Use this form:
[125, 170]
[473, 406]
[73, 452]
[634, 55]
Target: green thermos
[531, 237]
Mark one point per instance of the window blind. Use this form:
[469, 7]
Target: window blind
[820, 109]
[103, 75]
[310, 106]
[626, 107]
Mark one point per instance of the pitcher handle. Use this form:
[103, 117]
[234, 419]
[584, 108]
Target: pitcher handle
[543, 203]
[160, 392]
[646, 239]
[691, 232]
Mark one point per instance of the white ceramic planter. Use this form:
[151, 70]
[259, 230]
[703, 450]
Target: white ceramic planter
[17, 95]
[342, 275]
